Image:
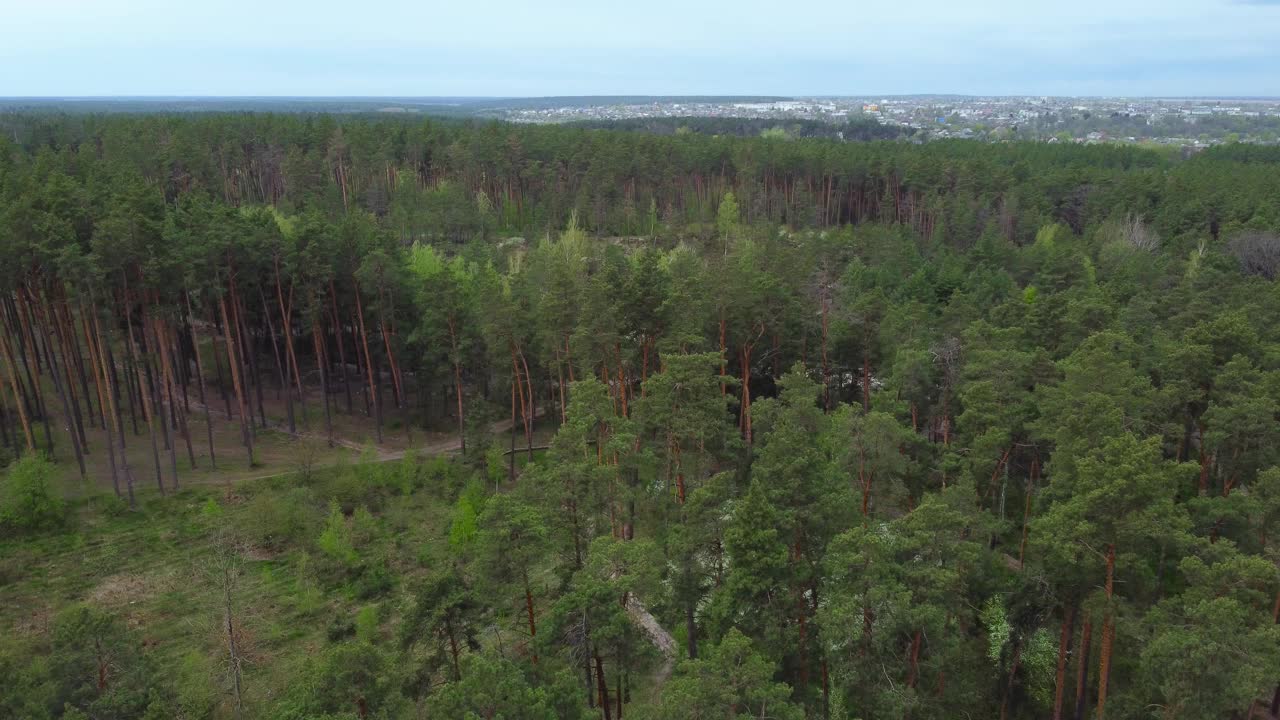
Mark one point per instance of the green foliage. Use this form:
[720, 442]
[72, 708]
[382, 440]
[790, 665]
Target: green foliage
[349, 677]
[211, 511]
[335, 539]
[495, 464]
[97, 668]
[470, 504]
[493, 687]
[999, 631]
[442, 623]
[29, 502]
[366, 626]
[196, 685]
[1221, 614]
[733, 681]
[858, 426]
[727, 216]
[276, 519]
[1039, 663]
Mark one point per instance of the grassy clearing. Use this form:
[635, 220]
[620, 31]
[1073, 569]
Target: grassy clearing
[150, 568]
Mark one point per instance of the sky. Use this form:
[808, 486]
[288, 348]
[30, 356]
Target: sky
[660, 47]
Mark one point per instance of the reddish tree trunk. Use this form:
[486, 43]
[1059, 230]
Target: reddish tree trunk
[913, 666]
[233, 359]
[1082, 668]
[1108, 635]
[17, 393]
[1064, 643]
[195, 344]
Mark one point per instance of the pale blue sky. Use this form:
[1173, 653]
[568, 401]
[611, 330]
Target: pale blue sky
[579, 47]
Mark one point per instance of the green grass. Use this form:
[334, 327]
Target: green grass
[148, 567]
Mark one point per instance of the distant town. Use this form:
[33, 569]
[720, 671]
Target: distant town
[1187, 123]
[1174, 121]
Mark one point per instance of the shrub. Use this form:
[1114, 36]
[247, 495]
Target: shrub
[407, 473]
[28, 500]
[496, 464]
[375, 580]
[466, 514]
[272, 519]
[370, 469]
[335, 540]
[364, 528]
[367, 623]
[352, 487]
[112, 505]
[438, 474]
[85, 644]
[210, 510]
[340, 627]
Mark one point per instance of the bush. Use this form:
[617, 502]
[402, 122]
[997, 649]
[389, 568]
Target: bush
[28, 500]
[340, 628]
[375, 580]
[407, 475]
[439, 475]
[354, 486]
[335, 540]
[85, 644]
[496, 464]
[112, 505]
[466, 515]
[364, 528]
[272, 519]
[211, 511]
[367, 623]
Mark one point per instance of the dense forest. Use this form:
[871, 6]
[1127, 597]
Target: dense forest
[746, 427]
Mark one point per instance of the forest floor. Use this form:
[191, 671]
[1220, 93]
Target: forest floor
[150, 569]
[278, 452]
[148, 566]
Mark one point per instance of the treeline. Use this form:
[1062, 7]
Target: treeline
[908, 431]
[864, 130]
[425, 179]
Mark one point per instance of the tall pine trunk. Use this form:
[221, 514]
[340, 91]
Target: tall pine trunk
[195, 344]
[147, 412]
[233, 360]
[1082, 668]
[60, 387]
[1108, 635]
[318, 340]
[457, 385]
[337, 334]
[1064, 643]
[18, 397]
[103, 342]
[368, 364]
